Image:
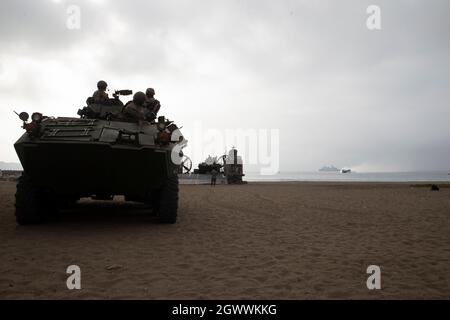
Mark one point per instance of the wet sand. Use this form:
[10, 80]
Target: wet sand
[255, 241]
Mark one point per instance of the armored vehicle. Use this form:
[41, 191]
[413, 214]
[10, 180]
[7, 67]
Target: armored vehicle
[99, 155]
[210, 164]
[233, 168]
[229, 167]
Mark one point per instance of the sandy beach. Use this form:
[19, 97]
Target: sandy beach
[255, 241]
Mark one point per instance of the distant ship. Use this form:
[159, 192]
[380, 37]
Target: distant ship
[346, 170]
[329, 169]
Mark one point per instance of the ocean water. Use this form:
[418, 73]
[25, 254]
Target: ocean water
[430, 176]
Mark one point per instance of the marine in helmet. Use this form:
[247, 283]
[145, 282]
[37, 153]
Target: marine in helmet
[100, 96]
[151, 105]
[135, 110]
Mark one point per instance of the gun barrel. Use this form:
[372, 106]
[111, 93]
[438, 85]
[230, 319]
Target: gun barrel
[124, 92]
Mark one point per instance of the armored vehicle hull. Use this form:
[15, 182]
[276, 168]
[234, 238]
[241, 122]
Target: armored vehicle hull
[65, 159]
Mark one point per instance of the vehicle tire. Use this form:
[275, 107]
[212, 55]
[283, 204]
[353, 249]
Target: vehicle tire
[32, 205]
[167, 206]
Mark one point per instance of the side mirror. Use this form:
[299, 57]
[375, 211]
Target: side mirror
[24, 116]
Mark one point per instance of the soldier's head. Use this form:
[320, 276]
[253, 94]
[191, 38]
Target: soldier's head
[139, 98]
[150, 92]
[102, 85]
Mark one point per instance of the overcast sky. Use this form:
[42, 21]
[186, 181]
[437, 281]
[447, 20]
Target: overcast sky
[339, 93]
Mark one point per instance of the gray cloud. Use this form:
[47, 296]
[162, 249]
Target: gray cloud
[338, 92]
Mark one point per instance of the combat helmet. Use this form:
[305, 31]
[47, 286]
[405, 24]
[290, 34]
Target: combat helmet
[139, 98]
[102, 85]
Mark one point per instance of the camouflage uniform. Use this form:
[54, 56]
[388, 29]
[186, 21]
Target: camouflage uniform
[152, 105]
[100, 96]
[135, 109]
[214, 174]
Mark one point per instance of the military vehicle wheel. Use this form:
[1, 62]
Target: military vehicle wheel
[166, 201]
[32, 205]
